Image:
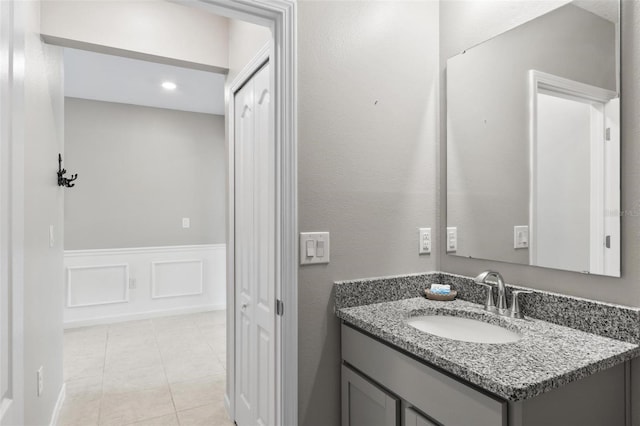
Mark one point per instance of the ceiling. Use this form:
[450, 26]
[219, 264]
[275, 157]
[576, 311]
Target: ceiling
[89, 75]
[606, 9]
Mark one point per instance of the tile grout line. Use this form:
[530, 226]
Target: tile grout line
[164, 370]
[104, 366]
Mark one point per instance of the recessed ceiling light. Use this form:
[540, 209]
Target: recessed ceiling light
[168, 85]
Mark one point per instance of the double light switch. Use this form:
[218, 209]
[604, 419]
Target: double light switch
[314, 247]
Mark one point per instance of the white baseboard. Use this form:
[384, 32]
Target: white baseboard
[143, 315]
[58, 408]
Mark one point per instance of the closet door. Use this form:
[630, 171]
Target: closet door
[254, 252]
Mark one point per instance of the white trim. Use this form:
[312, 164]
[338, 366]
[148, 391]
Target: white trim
[596, 189]
[569, 87]
[533, 167]
[612, 180]
[115, 265]
[154, 292]
[143, 315]
[59, 403]
[138, 250]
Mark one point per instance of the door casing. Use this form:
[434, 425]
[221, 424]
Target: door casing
[279, 16]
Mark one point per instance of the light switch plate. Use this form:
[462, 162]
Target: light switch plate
[314, 248]
[186, 222]
[452, 239]
[520, 237]
[424, 246]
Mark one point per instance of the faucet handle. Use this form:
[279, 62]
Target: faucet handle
[489, 304]
[515, 303]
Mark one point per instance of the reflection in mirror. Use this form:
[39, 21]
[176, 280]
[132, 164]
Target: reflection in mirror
[533, 143]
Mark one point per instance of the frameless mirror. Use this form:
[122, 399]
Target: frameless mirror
[533, 143]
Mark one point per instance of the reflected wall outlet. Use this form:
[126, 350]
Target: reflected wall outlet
[425, 241]
[452, 239]
[520, 237]
[314, 247]
[40, 378]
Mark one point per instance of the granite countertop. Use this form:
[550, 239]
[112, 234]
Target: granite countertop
[548, 356]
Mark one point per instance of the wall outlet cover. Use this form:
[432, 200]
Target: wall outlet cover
[424, 246]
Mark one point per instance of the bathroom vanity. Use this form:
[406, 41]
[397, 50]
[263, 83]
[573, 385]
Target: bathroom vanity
[395, 374]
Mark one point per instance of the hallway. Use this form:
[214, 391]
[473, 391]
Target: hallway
[162, 372]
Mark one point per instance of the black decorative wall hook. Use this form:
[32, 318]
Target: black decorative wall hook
[63, 181]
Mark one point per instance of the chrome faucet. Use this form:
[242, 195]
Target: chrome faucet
[502, 296]
[501, 309]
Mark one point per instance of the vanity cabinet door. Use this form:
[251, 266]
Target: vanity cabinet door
[365, 404]
[413, 418]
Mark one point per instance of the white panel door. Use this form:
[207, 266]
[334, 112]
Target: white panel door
[254, 252]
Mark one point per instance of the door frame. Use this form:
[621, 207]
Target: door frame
[544, 82]
[280, 17]
[12, 92]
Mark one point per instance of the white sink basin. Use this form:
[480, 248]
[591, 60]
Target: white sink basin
[464, 329]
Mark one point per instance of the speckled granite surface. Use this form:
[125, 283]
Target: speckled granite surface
[605, 319]
[548, 355]
[385, 289]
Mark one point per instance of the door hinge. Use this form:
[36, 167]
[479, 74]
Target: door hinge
[607, 241]
[279, 307]
[607, 134]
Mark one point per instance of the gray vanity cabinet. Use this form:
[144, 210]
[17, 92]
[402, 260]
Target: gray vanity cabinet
[452, 404]
[365, 404]
[378, 379]
[413, 418]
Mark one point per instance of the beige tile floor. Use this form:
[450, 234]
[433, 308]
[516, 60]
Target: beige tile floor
[166, 371]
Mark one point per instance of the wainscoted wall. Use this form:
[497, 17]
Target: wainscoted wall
[110, 285]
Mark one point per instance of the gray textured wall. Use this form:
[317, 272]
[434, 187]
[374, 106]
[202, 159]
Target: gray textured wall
[488, 115]
[141, 170]
[367, 102]
[456, 33]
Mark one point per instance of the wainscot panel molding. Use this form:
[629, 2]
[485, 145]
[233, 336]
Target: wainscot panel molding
[113, 285]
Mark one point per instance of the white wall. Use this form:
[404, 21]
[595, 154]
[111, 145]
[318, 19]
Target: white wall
[367, 141]
[141, 170]
[153, 30]
[104, 286]
[245, 40]
[43, 203]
